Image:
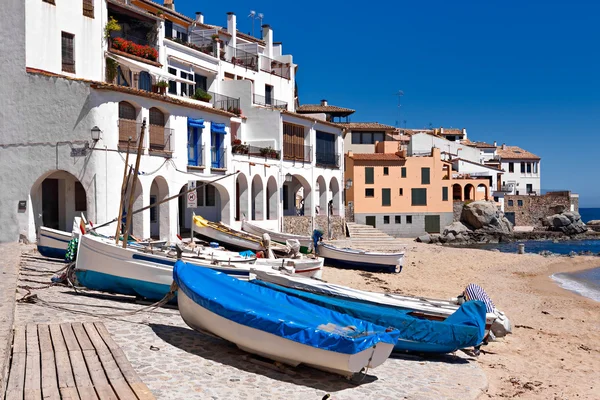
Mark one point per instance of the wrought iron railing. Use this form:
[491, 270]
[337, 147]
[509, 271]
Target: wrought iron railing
[269, 102]
[160, 138]
[226, 103]
[199, 161]
[266, 152]
[324, 159]
[206, 47]
[241, 58]
[218, 157]
[297, 152]
[275, 67]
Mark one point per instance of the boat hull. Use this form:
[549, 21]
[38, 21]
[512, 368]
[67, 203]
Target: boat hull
[53, 243]
[363, 260]
[277, 348]
[306, 243]
[307, 267]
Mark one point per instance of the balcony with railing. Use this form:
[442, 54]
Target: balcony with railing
[226, 103]
[269, 101]
[160, 139]
[256, 151]
[241, 58]
[133, 34]
[218, 157]
[297, 152]
[327, 160]
[207, 47]
[275, 67]
[128, 129]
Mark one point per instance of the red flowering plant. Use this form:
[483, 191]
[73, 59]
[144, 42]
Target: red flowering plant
[138, 50]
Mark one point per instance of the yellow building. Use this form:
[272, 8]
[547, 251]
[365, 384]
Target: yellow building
[404, 196]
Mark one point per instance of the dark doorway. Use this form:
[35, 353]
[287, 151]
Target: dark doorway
[432, 223]
[50, 203]
[370, 220]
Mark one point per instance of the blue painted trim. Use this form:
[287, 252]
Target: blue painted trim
[361, 265]
[55, 238]
[196, 122]
[217, 128]
[152, 259]
[52, 252]
[117, 284]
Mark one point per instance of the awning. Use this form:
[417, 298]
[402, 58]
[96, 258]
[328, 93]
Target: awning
[196, 123]
[137, 66]
[217, 128]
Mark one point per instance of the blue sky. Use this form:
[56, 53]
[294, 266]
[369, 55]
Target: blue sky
[523, 73]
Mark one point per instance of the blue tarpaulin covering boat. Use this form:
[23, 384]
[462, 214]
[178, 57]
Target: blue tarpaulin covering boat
[464, 328]
[281, 327]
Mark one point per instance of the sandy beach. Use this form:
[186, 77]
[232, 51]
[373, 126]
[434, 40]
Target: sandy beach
[553, 352]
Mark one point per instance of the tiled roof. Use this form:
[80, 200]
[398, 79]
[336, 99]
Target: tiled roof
[317, 108]
[309, 118]
[480, 145]
[134, 9]
[515, 153]
[479, 164]
[376, 157]
[367, 125]
[167, 10]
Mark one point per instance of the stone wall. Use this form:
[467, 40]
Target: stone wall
[303, 225]
[529, 210]
[457, 209]
[398, 225]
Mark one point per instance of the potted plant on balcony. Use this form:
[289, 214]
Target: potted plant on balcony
[238, 148]
[112, 25]
[162, 87]
[215, 37]
[202, 95]
[268, 152]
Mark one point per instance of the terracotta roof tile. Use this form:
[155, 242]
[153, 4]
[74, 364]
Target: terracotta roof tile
[167, 10]
[481, 145]
[367, 125]
[317, 108]
[376, 157]
[309, 118]
[515, 153]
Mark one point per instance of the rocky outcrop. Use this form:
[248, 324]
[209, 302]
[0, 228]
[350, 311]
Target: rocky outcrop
[567, 222]
[480, 222]
[594, 225]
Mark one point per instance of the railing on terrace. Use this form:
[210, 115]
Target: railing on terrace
[241, 58]
[196, 160]
[218, 157]
[222, 102]
[137, 39]
[256, 151]
[160, 138]
[328, 159]
[275, 67]
[269, 102]
[207, 47]
[297, 152]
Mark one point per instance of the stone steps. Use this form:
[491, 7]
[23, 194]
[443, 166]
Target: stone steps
[359, 231]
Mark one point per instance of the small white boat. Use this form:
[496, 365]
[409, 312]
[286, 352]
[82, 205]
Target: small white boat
[306, 243]
[361, 259]
[306, 266]
[279, 327]
[432, 309]
[52, 242]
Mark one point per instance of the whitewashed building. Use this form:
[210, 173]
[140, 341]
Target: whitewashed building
[85, 90]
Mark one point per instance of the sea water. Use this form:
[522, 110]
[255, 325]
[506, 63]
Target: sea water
[588, 214]
[585, 283]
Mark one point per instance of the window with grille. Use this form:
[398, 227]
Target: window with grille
[68, 52]
[398, 219]
[419, 197]
[127, 122]
[88, 8]
[369, 176]
[409, 219]
[293, 142]
[157, 129]
[386, 219]
[157, 117]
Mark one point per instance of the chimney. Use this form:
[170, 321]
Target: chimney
[169, 4]
[495, 144]
[464, 132]
[199, 17]
[268, 38]
[503, 146]
[232, 28]
[324, 103]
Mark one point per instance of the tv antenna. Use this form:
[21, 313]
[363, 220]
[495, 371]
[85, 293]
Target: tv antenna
[260, 18]
[254, 16]
[399, 93]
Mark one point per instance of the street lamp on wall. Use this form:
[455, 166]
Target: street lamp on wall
[96, 133]
[348, 183]
[288, 177]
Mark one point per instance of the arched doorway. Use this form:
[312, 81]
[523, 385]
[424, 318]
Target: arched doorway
[272, 198]
[456, 192]
[469, 192]
[257, 198]
[482, 192]
[321, 195]
[213, 204]
[159, 215]
[56, 198]
[241, 195]
[297, 197]
[334, 188]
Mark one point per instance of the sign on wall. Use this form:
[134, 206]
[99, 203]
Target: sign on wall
[192, 197]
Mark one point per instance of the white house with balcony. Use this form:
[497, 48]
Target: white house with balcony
[88, 94]
[522, 170]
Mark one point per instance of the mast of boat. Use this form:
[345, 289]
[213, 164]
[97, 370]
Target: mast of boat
[128, 218]
[123, 191]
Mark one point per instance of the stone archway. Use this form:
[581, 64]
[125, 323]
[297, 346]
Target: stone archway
[56, 198]
[456, 192]
[297, 197]
[159, 215]
[469, 192]
[241, 195]
[321, 195]
[257, 199]
[272, 198]
[334, 188]
[482, 190]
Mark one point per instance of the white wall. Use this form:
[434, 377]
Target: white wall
[422, 143]
[522, 179]
[44, 24]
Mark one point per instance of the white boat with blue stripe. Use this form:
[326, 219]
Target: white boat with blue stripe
[52, 242]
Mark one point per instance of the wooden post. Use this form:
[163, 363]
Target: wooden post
[128, 219]
[123, 191]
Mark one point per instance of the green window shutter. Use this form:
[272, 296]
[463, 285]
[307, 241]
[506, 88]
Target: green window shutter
[369, 176]
[425, 172]
[445, 193]
[386, 197]
[404, 172]
[419, 197]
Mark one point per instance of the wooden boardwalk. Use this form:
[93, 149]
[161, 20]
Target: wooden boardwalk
[70, 361]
